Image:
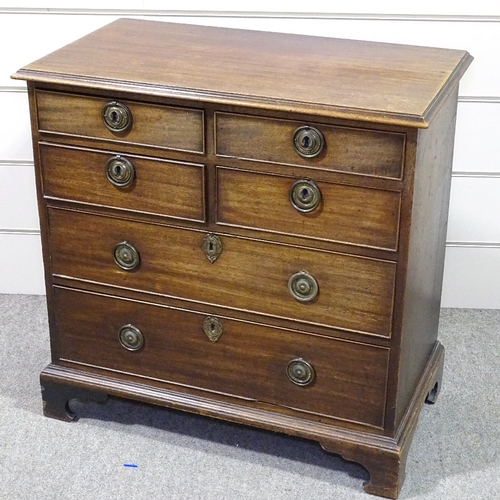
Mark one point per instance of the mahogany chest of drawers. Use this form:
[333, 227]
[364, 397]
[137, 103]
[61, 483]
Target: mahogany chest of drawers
[249, 226]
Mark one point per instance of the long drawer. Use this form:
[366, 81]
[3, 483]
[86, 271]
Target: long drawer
[347, 379]
[348, 214]
[354, 293]
[148, 124]
[175, 189]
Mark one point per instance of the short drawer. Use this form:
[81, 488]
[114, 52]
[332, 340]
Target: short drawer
[149, 124]
[357, 151]
[256, 362]
[303, 207]
[309, 286]
[127, 182]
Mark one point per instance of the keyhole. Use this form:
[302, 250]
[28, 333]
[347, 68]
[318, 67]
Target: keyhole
[114, 116]
[211, 248]
[306, 142]
[212, 327]
[304, 194]
[118, 170]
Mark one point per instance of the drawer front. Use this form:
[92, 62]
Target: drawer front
[348, 214]
[247, 360]
[151, 125]
[155, 186]
[354, 293]
[357, 151]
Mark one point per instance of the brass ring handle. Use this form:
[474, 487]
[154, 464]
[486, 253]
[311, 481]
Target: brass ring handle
[130, 338]
[308, 141]
[120, 171]
[116, 116]
[126, 256]
[303, 287]
[300, 372]
[305, 196]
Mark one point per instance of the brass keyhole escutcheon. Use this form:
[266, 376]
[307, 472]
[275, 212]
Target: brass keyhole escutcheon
[126, 256]
[308, 141]
[303, 287]
[212, 328]
[116, 116]
[300, 372]
[130, 338]
[305, 196]
[120, 171]
[212, 247]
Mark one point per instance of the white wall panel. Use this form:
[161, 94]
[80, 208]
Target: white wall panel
[27, 37]
[477, 137]
[15, 143]
[21, 270]
[423, 7]
[472, 278]
[121, 5]
[18, 208]
[474, 210]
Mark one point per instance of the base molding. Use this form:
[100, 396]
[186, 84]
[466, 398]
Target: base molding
[384, 457]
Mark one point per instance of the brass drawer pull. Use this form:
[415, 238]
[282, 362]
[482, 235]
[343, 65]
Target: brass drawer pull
[300, 372]
[212, 328]
[303, 287]
[120, 171]
[130, 338]
[126, 256]
[116, 116]
[305, 196]
[308, 141]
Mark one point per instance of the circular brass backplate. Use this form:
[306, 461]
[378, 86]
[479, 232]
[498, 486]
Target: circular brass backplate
[303, 287]
[126, 256]
[305, 195]
[308, 141]
[116, 116]
[120, 171]
[300, 372]
[130, 338]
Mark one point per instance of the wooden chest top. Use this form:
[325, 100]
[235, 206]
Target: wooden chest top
[380, 82]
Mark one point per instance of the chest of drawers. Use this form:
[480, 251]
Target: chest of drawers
[249, 226]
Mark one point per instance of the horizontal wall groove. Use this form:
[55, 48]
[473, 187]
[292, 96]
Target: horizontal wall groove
[465, 98]
[14, 88]
[454, 244]
[16, 163]
[479, 99]
[20, 232]
[254, 14]
[472, 244]
[481, 175]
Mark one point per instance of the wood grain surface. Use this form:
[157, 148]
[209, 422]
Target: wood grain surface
[162, 126]
[348, 214]
[354, 293]
[248, 360]
[386, 83]
[161, 187]
[345, 150]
